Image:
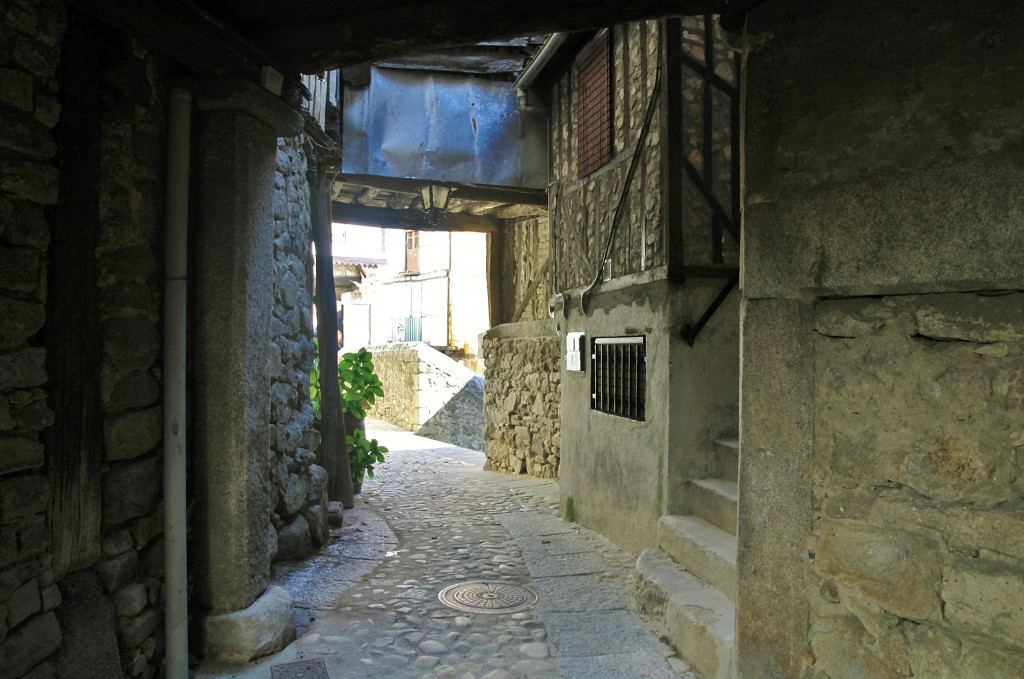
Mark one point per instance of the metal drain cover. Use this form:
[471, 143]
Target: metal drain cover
[304, 669]
[487, 597]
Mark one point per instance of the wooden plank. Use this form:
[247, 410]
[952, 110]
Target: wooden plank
[531, 289]
[74, 444]
[410, 220]
[483, 193]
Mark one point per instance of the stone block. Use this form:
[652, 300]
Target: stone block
[133, 391]
[1000, 529]
[130, 600]
[23, 496]
[19, 267]
[265, 627]
[27, 646]
[135, 630]
[16, 89]
[897, 570]
[26, 225]
[22, 368]
[24, 602]
[131, 343]
[22, 320]
[118, 571]
[293, 495]
[19, 455]
[971, 318]
[134, 434]
[117, 541]
[986, 596]
[51, 597]
[148, 527]
[294, 540]
[131, 490]
[32, 180]
[845, 653]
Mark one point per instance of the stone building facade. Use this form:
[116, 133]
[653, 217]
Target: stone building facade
[521, 391]
[81, 294]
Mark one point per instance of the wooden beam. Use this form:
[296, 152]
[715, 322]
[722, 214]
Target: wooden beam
[531, 289]
[330, 34]
[190, 36]
[480, 193]
[74, 444]
[410, 220]
[333, 451]
[484, 63]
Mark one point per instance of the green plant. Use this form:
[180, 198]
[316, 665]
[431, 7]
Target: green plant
[360, 386]
[314, 384]
[363, 453]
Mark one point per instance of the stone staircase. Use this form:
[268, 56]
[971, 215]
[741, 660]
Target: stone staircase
[687, 586]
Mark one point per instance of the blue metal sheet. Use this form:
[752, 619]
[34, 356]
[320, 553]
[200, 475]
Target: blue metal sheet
[446, 127]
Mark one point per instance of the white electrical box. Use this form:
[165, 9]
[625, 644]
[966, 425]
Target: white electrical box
[575, 346]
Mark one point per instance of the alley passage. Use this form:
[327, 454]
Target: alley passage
[368, 605]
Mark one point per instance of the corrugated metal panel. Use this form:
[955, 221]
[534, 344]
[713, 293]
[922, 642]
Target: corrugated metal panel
[443, 126]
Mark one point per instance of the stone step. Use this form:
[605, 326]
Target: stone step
[698, 620]
[727, 450]
[705, 550]
[715, 501]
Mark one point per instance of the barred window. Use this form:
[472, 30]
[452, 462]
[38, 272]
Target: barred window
[594, 105]
[618, 377]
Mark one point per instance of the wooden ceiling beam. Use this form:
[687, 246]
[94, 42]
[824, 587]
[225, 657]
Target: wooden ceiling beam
[191, 36]
[410, 220]
[342, 35]
[482, 193]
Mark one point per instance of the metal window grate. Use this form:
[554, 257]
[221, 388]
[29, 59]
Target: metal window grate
[618, 377]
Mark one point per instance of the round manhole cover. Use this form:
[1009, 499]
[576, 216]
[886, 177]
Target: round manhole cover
[487, 597]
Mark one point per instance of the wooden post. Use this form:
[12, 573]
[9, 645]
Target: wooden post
[496, 276]
[333, 451]
[74, 444]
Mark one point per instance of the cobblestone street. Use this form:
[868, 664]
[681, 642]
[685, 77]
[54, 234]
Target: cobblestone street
[368, 606]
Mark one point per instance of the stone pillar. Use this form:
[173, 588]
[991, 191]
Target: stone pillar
[775, 512]
[233, 281]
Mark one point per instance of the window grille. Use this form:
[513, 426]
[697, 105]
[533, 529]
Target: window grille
[594, 105]
[618, 377]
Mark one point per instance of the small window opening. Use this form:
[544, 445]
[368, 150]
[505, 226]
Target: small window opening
[412, 251]
[618, 377]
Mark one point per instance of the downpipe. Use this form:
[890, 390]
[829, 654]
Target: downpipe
[175, 290]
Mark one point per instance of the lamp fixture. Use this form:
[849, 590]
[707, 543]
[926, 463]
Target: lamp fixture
[435, 201]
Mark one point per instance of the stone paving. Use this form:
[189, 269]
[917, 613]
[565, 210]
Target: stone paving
[367, 605]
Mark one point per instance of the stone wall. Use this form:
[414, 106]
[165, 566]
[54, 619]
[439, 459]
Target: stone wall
[106, 616]
[918, 548]
[29, 631]
[583, 207]
[429, 393]
[879, 504]
[299, 493]
[130, 263]
[521, 399]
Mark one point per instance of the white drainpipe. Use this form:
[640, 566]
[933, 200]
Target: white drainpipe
[175, 270]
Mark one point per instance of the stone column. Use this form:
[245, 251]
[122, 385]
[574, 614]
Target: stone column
[775, 512]
[233, 282]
